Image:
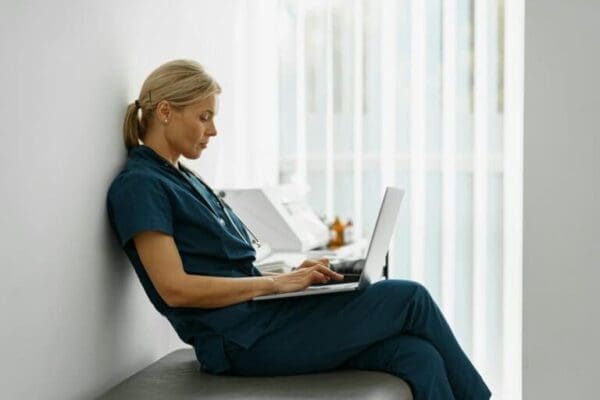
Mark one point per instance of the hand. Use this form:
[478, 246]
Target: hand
[308, 273]
[309, 263]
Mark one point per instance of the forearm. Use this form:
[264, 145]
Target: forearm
[213, 292]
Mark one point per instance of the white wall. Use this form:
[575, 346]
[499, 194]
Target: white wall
[561, 325]
[75, 320]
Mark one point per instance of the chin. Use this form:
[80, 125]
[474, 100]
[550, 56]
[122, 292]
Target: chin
[192, 155]
[198, 152]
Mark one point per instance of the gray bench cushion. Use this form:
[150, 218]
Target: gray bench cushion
[178, 376]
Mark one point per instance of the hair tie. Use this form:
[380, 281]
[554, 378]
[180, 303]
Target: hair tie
[137, 104]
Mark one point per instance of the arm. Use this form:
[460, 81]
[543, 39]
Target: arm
[162, 261]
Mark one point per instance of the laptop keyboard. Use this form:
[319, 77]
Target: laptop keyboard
[348, 266]
[351, 269]
[348, 278]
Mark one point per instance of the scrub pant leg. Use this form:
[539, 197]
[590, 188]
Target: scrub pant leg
[411, 358]
[392, 326]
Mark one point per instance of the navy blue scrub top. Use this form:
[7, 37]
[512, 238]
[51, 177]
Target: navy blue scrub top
[150, 194]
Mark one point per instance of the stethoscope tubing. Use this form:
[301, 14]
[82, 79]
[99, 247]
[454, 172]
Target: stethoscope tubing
[254, 240]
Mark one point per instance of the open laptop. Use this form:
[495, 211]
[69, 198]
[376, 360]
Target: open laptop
[375, 260]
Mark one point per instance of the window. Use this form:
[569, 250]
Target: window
[412, 94]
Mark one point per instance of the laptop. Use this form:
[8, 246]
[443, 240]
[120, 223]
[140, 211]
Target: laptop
[375, 260]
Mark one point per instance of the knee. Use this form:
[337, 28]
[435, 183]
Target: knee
[432, 360]
[396, 287]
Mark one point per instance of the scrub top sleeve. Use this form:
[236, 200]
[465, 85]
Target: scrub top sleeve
[138, 204]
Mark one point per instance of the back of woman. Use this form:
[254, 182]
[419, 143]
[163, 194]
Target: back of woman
[151, 194]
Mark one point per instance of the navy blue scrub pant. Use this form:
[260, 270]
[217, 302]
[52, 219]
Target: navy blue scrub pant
[392, 326]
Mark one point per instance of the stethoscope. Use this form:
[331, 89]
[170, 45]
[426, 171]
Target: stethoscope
[224, 206]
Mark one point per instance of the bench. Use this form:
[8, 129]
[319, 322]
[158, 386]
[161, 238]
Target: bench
[178, 376]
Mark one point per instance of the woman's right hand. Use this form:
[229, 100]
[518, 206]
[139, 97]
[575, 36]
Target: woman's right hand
[301, 278]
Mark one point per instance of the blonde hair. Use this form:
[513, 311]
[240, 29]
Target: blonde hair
[180, 82]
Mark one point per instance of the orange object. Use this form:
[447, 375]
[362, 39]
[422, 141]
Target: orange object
[337, 234]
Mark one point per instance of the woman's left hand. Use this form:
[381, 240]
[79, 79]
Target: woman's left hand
[309, 263]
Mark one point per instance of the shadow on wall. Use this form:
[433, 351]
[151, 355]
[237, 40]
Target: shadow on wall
[115, 311]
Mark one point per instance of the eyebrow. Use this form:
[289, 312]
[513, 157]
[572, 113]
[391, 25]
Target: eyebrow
[210, 111]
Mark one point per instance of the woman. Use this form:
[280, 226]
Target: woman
[195, 258]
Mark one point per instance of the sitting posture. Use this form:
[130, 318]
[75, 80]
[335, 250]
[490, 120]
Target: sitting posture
[194, 258]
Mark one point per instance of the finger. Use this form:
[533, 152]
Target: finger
[328, 272]
[319, 277]
[311, 262]
[324, 261]
[306, 264]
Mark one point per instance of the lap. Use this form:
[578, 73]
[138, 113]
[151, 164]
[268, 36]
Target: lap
[317, 333]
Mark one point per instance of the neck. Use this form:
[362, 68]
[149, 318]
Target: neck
[162, 148]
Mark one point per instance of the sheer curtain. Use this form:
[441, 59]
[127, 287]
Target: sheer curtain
[345, 97]
[425, 95]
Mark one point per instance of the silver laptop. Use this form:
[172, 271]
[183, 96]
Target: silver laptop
[375, 260]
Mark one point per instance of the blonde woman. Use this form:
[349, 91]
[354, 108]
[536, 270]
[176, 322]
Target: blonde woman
[194, 259]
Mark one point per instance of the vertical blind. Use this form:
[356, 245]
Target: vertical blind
[425, 95]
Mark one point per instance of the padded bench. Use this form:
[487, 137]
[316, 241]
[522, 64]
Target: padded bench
[178, 376]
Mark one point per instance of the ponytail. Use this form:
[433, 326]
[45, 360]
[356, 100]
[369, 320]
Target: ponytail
[131, 126]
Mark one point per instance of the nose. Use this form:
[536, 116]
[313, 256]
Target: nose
[213, 130]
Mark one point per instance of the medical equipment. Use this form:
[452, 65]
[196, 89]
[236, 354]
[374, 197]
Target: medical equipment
[279, 216]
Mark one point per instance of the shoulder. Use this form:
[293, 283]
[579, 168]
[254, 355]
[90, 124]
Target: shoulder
[137, 202]
[131, 179]
[139, 184]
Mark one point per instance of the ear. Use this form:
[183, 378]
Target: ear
[163, 111]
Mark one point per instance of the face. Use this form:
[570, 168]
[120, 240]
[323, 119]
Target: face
[190, 129]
